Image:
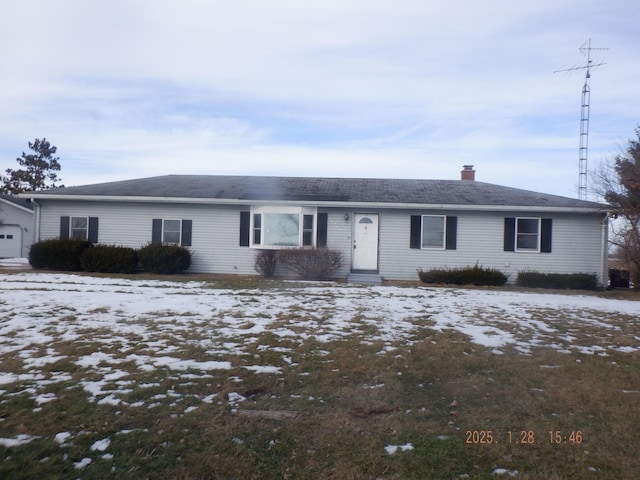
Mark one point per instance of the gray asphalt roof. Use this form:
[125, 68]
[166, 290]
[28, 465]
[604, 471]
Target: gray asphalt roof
[17, 201]
[375, 190]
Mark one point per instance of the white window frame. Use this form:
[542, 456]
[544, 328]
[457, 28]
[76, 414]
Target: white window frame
[444, 233]
[262, 212]
[179, 220]
[538, 235]
[71, 229]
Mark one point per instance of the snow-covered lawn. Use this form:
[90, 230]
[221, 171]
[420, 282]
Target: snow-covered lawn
[40, 310]
[118, 336]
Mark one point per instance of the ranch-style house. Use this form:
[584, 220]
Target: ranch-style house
[385, 228]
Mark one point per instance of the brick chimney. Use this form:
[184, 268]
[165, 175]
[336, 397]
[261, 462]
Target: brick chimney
[468, 173]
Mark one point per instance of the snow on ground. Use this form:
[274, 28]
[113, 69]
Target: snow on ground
[15, 263]
[101, 445]
[153, 325]
[37, 309]
[18, 440]
[391, 449]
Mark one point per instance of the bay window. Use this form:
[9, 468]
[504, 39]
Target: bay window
[282, 227]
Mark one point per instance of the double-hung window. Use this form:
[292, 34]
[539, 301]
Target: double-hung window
[78, 228]
[527, 234]
[433, 232]
[307, 230]
[282, 227]
[171, 232]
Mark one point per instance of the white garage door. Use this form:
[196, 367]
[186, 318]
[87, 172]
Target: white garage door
[10, 241]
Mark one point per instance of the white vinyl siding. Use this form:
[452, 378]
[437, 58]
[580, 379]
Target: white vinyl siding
[214, 235]
[20, 222]
[215, 247]
[339, 235]
[576, 246]
[22, 218]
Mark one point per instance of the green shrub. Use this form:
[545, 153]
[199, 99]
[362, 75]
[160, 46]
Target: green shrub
[58, 254]
[576, 281]
[311, 264]
[164, 259]
[475, 275]
[109, 259]
[266, 262]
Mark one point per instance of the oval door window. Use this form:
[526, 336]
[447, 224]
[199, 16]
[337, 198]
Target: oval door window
[365, 220]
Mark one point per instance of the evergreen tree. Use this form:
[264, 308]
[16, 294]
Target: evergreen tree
[38, 170]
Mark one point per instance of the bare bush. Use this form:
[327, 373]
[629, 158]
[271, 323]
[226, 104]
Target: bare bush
[316, 264]
[266, 262]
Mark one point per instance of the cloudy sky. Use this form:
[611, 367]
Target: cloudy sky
[350, 88]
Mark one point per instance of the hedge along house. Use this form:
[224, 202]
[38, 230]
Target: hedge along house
[16, 227]
[385, 228]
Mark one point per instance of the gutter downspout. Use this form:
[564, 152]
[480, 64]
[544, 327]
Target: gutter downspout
[604, 260]
[36, 221]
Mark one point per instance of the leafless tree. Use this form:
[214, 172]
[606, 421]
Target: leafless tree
[618, 183]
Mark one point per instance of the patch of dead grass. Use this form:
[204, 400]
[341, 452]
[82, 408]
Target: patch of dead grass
[352, 397]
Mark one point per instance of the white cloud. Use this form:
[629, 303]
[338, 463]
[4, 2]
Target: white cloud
[131, 88]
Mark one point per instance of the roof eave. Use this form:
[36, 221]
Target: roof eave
[12, 204]
[336, 204]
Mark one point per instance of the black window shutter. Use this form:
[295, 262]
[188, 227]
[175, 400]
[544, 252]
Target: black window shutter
[452, 233]
[92, 236]
[186, 232]
[416, 234]
[321, 230]
[545, 235]
[245, 223]
[64, 228]
[156, 230]
[509, 234]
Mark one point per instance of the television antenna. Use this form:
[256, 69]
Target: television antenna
[585, 49]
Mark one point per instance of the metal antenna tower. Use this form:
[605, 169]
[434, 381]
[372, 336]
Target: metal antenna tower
[585, 49]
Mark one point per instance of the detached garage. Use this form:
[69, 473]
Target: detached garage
[16, 227]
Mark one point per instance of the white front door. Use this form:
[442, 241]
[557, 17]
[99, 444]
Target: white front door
[365, 242]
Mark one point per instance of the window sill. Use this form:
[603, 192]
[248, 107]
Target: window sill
[282, 247]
